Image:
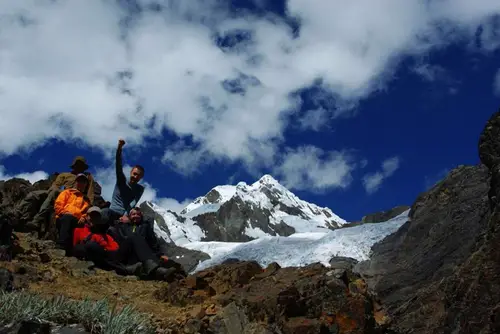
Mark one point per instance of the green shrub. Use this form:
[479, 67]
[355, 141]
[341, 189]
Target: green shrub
[97, 317]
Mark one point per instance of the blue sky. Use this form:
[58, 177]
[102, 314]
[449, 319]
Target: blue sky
[358, 106]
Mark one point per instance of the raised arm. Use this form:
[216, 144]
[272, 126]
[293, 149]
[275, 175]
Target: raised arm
[120, 176]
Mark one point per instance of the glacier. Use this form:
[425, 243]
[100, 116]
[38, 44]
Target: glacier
[301, 249]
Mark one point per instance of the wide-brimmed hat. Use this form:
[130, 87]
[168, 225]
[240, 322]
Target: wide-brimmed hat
[79, 159]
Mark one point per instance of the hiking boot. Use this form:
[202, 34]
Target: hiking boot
[165, 274]
[150, 267]
[133, 269]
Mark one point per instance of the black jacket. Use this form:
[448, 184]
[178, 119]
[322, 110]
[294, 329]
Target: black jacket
[120, 232]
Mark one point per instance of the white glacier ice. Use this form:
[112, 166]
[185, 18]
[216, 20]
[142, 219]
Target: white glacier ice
[302, 248]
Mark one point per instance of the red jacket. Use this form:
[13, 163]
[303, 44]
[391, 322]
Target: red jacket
[105, 241]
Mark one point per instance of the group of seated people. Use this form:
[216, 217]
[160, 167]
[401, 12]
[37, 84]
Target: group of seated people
[114, 236]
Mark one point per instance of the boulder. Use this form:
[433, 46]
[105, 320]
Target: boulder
[342, 262]
[20, 200]
[187, 258]
[6, 280]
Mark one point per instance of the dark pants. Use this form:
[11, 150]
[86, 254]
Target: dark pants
[66, 224]
[109, 216]
[132, 250]
[92, 251]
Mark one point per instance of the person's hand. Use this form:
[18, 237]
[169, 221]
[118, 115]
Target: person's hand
[164, 258]
[82, 220]
[121, 142]
[124, 219]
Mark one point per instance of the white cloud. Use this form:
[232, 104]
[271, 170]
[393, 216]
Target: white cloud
[311, 168]
[430, 72]
[172, 204]
[496, 84]
[107, 178]
[31, 177]
[59, 65]
[373, 181]
[314, 120]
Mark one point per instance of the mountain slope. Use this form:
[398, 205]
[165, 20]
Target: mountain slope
[302, 248]
[246, 212]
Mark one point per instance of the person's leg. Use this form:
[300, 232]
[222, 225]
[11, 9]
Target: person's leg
[66, 225]
[46, 207]
[92, 251]
[150, 262]
[141, 248]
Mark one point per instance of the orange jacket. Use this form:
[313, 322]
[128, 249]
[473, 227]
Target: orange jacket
[73, 202]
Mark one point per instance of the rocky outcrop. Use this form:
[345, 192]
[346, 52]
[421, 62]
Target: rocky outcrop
[188, 258]
[233, 297]
[384, 215]
[440, 272]
[241, 297]
[230, 222]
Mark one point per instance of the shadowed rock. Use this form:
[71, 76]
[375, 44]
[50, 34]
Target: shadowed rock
[440, 272]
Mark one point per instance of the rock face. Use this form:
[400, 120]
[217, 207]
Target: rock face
[384, 215]
[244, 298]
[440, 273]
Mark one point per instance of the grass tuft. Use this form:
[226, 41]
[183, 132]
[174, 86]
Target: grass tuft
[99, 317]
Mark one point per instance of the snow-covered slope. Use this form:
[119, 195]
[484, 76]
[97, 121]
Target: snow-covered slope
[302, 248]
[264, 208]
[211, 202]
[173, 228]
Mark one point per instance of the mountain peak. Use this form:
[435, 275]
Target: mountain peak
[242, 212]
[267, 178]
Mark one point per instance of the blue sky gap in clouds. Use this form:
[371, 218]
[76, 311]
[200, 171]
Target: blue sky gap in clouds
[358, 106]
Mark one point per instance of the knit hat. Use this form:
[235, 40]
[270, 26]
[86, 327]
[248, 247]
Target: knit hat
[94, 209]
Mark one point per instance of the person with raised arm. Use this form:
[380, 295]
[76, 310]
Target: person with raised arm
[127, 193]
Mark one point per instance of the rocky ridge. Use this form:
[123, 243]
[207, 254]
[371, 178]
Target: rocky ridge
[440, 272]
[383, 216]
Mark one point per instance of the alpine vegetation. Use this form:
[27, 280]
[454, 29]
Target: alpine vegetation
[96, 316]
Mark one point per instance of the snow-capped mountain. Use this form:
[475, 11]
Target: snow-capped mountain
[244, 212]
